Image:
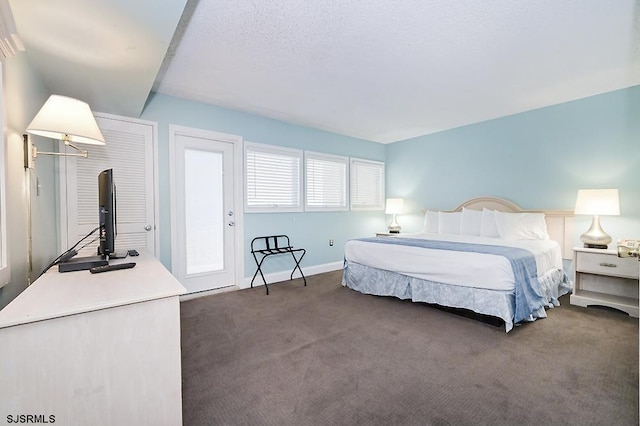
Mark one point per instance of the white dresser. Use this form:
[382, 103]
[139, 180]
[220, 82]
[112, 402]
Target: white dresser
[94, 349]
[604, 279]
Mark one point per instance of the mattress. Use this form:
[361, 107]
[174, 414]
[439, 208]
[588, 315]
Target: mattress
[469, 269]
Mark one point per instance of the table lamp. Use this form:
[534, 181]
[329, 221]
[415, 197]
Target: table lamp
[394, 206]
[597, 202]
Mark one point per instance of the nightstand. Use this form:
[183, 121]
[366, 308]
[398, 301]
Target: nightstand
[604, 279]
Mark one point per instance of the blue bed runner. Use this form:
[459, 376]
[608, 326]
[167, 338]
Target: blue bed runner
[528, 298]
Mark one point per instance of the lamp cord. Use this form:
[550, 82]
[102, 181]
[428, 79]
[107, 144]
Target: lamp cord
[71, 252]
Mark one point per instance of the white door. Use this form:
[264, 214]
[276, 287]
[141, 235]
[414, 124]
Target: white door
[129, 151]
[205, 222]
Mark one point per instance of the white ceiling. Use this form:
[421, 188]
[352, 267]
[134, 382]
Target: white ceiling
[379, 70]
[105, 52]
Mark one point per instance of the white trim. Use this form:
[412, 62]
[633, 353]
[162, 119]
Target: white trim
[173, 198]
[238, 185]
[279, 276]
[271, 279]
[5, 270]
[199, 294]
[62, 204]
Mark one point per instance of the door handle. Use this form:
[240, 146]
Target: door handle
[147, 228]
[232, 223]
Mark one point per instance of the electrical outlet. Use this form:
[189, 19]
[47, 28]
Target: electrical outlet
[331, 242]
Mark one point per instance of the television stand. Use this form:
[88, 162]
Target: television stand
[82, 263]
[119, 254]
[95, 349]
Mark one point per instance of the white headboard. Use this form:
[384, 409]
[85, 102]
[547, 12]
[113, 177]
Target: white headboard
[559, 222]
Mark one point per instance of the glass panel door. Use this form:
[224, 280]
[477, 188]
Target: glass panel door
[203, 221]
[204, 217]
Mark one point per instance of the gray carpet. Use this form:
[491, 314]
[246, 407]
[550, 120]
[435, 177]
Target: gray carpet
[327, 355]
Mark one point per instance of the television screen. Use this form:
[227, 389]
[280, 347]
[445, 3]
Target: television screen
[107, 213]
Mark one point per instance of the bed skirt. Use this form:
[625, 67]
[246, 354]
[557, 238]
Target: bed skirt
[496, 303]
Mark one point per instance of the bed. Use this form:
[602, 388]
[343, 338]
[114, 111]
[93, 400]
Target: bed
[488, 256]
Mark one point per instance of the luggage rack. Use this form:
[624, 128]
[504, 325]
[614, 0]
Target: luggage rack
[271, 245]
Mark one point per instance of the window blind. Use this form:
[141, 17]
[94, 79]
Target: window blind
[273, 178]
[367, 184]
[326, 182]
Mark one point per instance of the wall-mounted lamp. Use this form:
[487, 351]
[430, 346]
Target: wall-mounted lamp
[394, 206]
[597, 202]
[67, 119]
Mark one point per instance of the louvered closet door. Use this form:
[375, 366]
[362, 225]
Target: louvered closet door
[129, 152]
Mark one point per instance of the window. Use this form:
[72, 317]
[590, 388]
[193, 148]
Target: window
[273, 179]
[4, 259]
[326, 182]
[367, 185]
[204, 220]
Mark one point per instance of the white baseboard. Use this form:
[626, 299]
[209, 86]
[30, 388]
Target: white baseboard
[191, 296]
[285, 275]
[271, 278]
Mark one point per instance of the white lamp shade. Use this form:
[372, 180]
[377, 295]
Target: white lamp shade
[598, 202]
[67, 118]
[394, 206]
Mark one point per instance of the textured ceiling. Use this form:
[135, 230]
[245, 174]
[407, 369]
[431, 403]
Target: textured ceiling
[391, 70]
[379, 70]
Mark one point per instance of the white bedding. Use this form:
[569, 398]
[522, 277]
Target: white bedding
[468, 269]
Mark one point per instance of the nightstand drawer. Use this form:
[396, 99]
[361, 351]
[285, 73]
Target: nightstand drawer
[604, 264]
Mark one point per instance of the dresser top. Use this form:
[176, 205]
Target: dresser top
[56, 294]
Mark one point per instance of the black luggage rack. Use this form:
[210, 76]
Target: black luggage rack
[270, 245]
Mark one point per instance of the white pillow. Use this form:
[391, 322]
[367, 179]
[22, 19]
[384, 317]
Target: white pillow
[521, 226]
[430, 222]
[471, 222]
[488, 226]
[449, 223]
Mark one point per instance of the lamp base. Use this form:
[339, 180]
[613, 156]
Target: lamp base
[394, 228]
[595, 237]
[596, 246]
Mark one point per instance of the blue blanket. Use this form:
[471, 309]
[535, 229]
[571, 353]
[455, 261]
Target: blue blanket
[529, 298]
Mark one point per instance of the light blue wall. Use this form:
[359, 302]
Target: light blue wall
[537, 159]
[309, 230]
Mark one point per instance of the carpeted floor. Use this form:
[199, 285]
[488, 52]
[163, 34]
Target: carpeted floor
[327, 355]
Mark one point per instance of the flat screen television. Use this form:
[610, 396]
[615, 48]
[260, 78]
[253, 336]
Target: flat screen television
[107, 213]
[106, 227]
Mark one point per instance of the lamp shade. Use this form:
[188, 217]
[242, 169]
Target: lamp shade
[67, 119]
[598, 202]
[394, 206]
